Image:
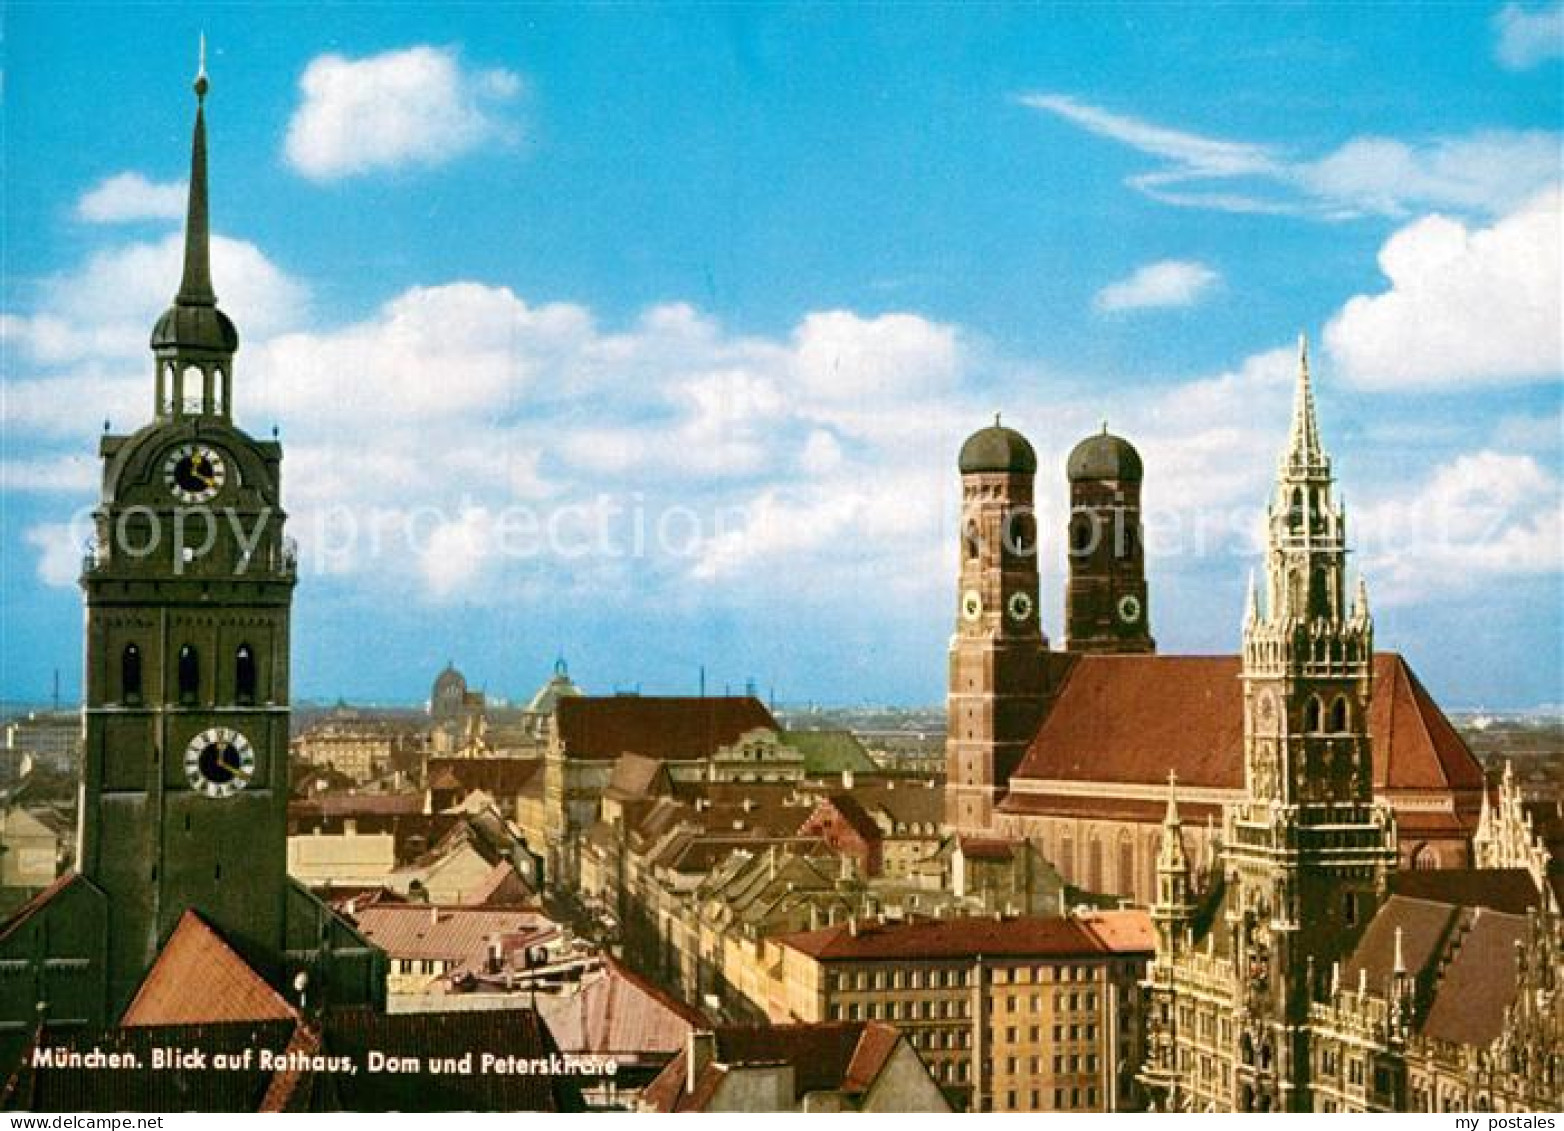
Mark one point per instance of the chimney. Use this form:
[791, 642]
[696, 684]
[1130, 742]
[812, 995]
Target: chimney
[847, 779]
[699, 1053]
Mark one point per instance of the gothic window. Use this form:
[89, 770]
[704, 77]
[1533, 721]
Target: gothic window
[244, 675]
[970, 543]
[1094, 876]
[1349, 908]
[189, 675]
[1083, 534]
[1338, 714]
[130, 675]
[1021, 532]
[1126, 865]
[1426, 858]
[1067, 855]
[1311, 714]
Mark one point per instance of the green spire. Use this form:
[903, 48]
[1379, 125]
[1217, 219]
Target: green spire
[195, 289]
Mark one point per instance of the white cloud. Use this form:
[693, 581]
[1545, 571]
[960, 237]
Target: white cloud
[130, 196]
[1172, 282]
[60, 547]
[1527, 37]
[417, 106]
[1465, 305]
[1483, 515]
[1485, 172]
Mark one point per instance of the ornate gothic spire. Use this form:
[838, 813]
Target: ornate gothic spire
[1305, 456]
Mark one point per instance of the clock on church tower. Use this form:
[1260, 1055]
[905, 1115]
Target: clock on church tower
[188, 589]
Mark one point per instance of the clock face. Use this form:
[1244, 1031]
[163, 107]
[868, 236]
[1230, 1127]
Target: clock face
[971, 604]
[194, 473]
[1019, 606]
[219, 762]
[1129, 608]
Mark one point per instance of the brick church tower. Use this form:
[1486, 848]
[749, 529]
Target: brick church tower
[1106, 607]
[998, 654]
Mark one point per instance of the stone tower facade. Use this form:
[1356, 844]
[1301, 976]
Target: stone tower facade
[188, 591]
[1307, 852]
[998, 654]
[1106, 606]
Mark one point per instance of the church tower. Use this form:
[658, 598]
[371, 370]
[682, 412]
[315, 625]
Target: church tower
[1106, 608]
[1308, 849]
[188, 588]
[998, 652]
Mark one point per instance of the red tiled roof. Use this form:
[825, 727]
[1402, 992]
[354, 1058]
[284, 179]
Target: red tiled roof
[356, 805]
[853, 813]
[1479, 984]
[1132, 718]
[1123, 932]
[985, 848]
[615, 1011]
[198, 979]
[1027, 936]
[500, 778]
[827, 1057]
[456, 934]
[664, 728]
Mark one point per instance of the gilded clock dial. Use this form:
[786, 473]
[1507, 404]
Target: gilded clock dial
[1019, 606]
[194, 473]
[971, 604]
[219, 762]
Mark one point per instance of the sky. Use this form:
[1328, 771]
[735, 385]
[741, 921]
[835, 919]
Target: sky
[647, 336]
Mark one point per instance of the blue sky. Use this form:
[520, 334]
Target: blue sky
[753, 272]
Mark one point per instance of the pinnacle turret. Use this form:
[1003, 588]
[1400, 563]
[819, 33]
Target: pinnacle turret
[1305, 456]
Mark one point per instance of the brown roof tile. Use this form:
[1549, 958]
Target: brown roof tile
[616, 1011]
[663, 728]
[1130, 718]
[1480, 981]
[500, 778]
[826, 1057]
[198, 979]
[1511, 890]
[454, 934]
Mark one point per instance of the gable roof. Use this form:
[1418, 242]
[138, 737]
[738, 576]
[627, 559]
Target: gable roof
[23, 914]
[1128, 719]
[198, 979]
[826, 1057]
[499, 777]
[616, 1011]
[664, 728]
[636, 777]
[852, 813]
[452, 934]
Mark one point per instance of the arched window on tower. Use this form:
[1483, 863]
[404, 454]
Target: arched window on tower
[244, 675]
[1021, 534]
[970, 543]
[1312, 711]
[1083, 534]
[1339, 714]
[130, 675]
[189, 676]
[1094, 866]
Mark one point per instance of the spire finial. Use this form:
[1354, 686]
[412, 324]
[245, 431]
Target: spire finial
[1251, 601]
[1360, 610]
[1401, 964]
[195, 288]
[1304, 453]
[202, 83]
[996, 420]
[1172, 817]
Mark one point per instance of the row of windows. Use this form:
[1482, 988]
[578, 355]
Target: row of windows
[188, 675]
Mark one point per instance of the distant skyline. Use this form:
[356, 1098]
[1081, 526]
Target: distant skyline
[744, 277]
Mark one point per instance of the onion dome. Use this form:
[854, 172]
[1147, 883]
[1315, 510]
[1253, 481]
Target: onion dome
[1104, 456]
[997, 449]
